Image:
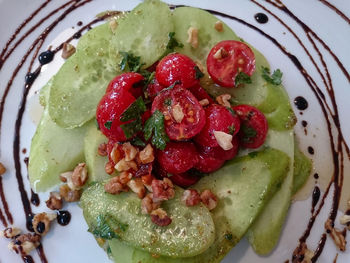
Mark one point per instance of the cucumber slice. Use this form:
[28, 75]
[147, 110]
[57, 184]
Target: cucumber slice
[95, 163]
[265, 232]
[302, 168]
[191, 232]
[144, 32]
[82, 80]
[121, 253]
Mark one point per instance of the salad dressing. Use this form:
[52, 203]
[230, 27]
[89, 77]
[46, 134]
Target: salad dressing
[339, 147]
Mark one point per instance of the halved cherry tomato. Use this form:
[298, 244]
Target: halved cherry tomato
[184, 179]
[226, 59]
[208, 164]
[200, 93]
[218, 152]
[177, 67]
[153, 88]
[254, 126]
[177, 157]
[218, 118]
[127, 81]
[184, 116]
[108, 112]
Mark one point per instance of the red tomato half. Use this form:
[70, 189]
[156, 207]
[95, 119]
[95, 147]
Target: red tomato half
[218, 152]
[176, 67]
[218, 118]
[177, 157]
[170, 103]
[226, 59]
[254, 126]
[128, 82]
[108, 112]
[154, 88]
[184, 179]
[208, 164]
[200, 93]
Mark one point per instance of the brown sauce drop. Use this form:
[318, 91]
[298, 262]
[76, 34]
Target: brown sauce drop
[80, 23]
[301, 103]
[304, 123]
[27, 259]
[310, 150]
[24, 150]
[316, 176]
[261, 18]
[34, 199]
[315, 197]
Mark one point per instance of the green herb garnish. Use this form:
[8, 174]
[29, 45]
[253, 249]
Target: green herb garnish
[168, 102]
[231, 129]
[199, 73]
[131, 128]
[172, 44]
[228, 236]
[253, 154]
[97, 125]
[134, 111]
[248, 132]
[275, 78]
[108, 125]
[136, 141]
[242, 78]
[103, 229]
[155, 125]
[133, 63]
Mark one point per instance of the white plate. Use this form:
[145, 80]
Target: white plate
[73, 243]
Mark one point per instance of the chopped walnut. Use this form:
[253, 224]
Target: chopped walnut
[102, 149]
[64, 176]
[191, 197]
[10, 232]
[109, 168]
[178, 113]
[148, 205]
[116, 154]
[23, 248]
[68, 194]
[193, 37]
[224, 140]
[28, 237]
[219, 26]
[345, 220]
[41, 223]
[124, 165]
[79, 176]
[147, 181]
[160, 217]
[118, 184]
[302, 254]
[221, 53]
[204, 102]
[162, 190]
[224, 100]
[137, 187]
[55, 201]
[209, 199]
[337, 235]
[2, 169]
[129, 151]
[68, 50]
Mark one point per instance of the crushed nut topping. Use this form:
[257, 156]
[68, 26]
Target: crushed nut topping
[124, 165]
[302, 254]
[204, 102]
[10, 232]
[2, 169]
[68, 194]
[102, 149]
[178, 113]
[193, 37]
[147, 181]
[79, 176]
[160, 217]
[41, 223]
[64, 176]
[224, 140]
[191, 197]
[219, 26]
[147, 154]
[116, 154]
[55, 201]
[221, 53]
[137, 187]
[162, 190]
[67, 50]
[23, 248]
[109, 168]
[345, 220]
[224, 100]
[148, 205]
[209, 199]
[129, 151]
[337, 235]
[118, 184]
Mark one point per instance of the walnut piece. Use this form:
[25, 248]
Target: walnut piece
[23, 248]
[55, 201]
[68, 194]
[79, 176]
[191, 197]
[162, 190]
[345, 220]
[224, 140]
[224, 100]
[193, 37]
[160, 217]
[68, 50]
[41, 223]
[337, 235]
[129, 151]
[10, 232]
[219, 26]
[302, 254]
[124, 165]
[221, 53]
[102, 149]
[147, 154]
[204, 102]
[109, 168]
[118, 184]
[209, 199]
[116, 154]
[148, 205]
[137, 187]
[2, 169]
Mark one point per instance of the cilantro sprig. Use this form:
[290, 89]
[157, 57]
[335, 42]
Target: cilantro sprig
[130, 62]
[172, 44]
[133, 113]
[275, 78]
[155, 125]
[242, 78]
[102, 229]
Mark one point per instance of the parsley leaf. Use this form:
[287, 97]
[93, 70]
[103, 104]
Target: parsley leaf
[108, 125]
[134, 111]
[155, 125]
[199, 73]
[248, 132]
[253, 154]
[172, 44]
[136, 141]
[133, 63]
[275, 78]
[103, 229]
[168, 102]
[242, 78]
[131, 128]
[231, 129]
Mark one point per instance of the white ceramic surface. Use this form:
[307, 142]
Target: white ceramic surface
[73, 243]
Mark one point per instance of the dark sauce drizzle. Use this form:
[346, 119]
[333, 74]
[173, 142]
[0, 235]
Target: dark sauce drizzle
[315, 198]
[34, 199]
[261, 18]
[301, 103]
[338, 170]
[63, 217]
